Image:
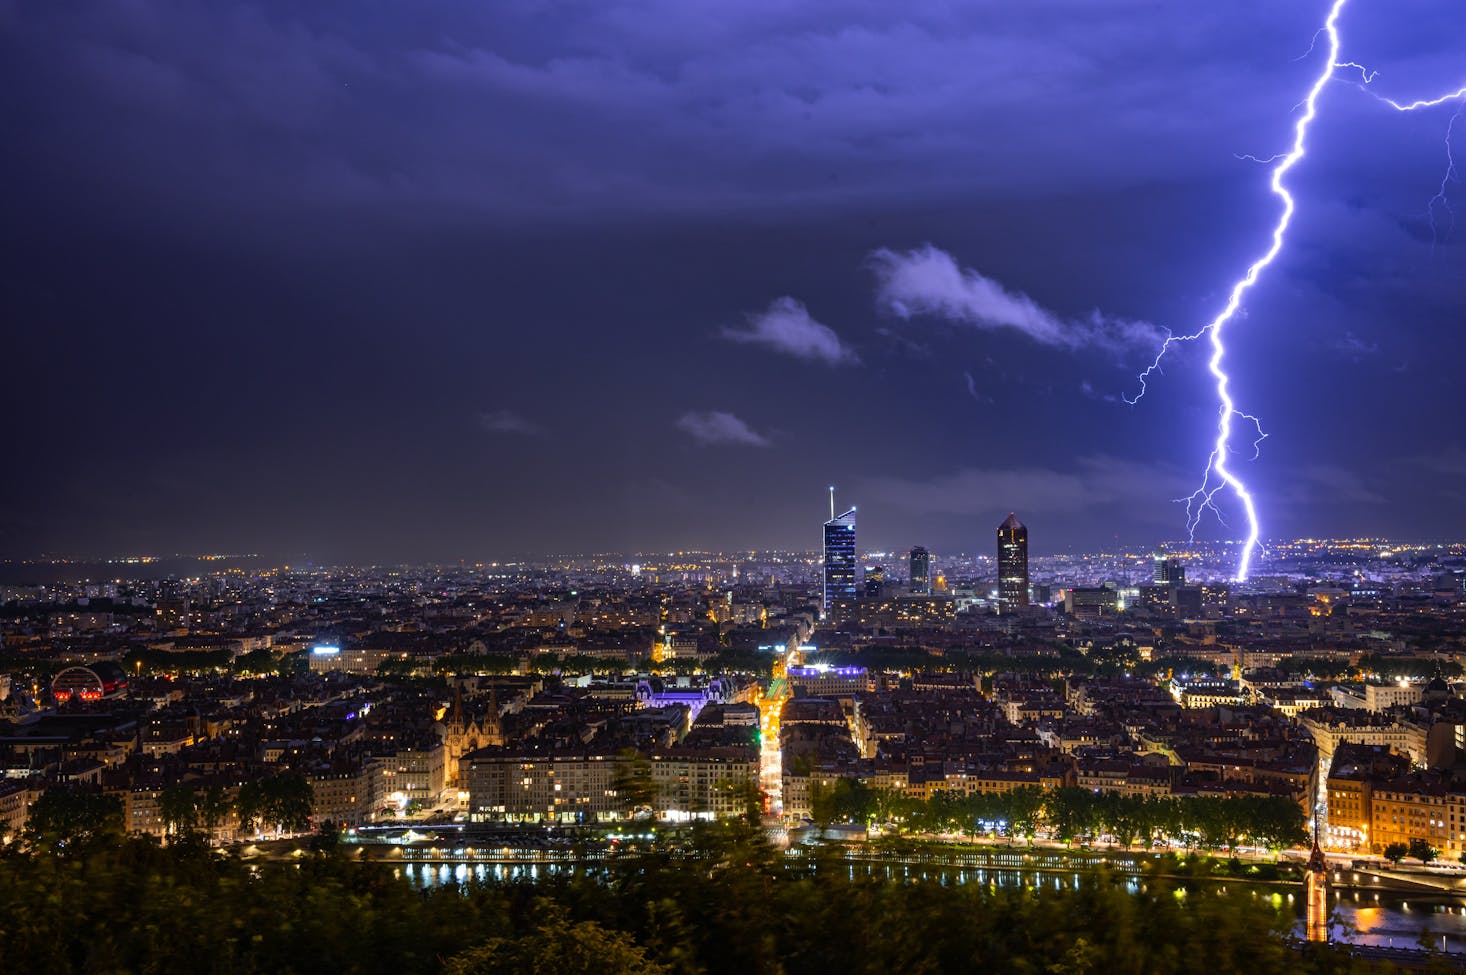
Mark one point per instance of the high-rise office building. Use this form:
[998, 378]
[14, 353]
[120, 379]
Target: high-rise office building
[921, 571]
[840, 559]
[875, 581]
[1012, 565]
[1169, 572]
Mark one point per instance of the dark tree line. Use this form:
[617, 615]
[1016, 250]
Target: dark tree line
[65, 817]
[724, 904]
[1072, 814]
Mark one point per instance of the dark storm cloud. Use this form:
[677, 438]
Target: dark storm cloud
[1331, 483]
[1089, 483]
[568, 108]
[272, 259]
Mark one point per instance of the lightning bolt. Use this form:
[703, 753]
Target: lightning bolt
[1419, 103]
[1441, 200]
[1440, 197]
[1218, 474]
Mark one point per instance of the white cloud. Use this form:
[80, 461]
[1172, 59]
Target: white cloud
[1355, 347]
[972, 389]
[717, 427]
[787, 327]
[927, 281]
[507, 421]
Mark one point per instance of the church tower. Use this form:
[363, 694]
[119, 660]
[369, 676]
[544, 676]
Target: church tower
[462, 735]
[491, 731]
[458, 740]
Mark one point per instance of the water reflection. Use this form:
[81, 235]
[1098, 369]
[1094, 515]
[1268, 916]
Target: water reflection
[1400, 924]
[1360, 917]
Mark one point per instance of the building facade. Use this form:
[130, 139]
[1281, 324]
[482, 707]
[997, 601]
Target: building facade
[683, 784]
[839, 552]
[1012, 564]
[1169, 572]
[921, 571]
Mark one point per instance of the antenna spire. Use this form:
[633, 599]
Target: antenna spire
[832, 502]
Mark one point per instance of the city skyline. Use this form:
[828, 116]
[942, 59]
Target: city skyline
[418, 414]
[330, 314]
[977, 550]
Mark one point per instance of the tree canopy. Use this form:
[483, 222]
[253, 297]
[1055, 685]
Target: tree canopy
[723, 903]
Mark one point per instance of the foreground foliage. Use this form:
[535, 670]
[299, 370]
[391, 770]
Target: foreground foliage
[726, 904]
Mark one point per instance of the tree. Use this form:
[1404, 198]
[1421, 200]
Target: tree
[260, 663]
[178, 808]
[558, 946]
[67, 819]
[1422, 851]
[633, 783]
[288, 801]
[1071, 812]
[213, 807]
[327, 838]
[282, 801]
[748, 797]
[845, 800]
[1023, 808]
[249, 805]
[1395, 852]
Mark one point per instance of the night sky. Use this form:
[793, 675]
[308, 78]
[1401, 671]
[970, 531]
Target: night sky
[446, 279]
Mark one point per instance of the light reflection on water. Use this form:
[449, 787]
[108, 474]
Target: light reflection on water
[435, 874]
[1399, 923]
[1389, 922]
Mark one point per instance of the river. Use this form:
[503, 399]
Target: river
[1361, 917]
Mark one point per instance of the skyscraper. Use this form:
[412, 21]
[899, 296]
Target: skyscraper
[1169, 572]
[839, 559]
[1012, 565]
[875, 581]
[921, 571]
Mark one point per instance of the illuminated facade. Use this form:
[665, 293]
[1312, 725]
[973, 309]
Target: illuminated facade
[836, 682]
[1418, 809]
[15, 804]
[463, 733]
[1169, 572]
[91, 682]
[685, 784]
[840, 560]
[1012, 564]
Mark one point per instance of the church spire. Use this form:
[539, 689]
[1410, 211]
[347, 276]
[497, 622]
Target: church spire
[455, 717]
[493, 734]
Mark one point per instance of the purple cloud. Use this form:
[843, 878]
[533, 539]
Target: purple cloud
[1354, 347]
[717, 428]
[928, 281]
[507, 421]
[658, 104]
[786, 326]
